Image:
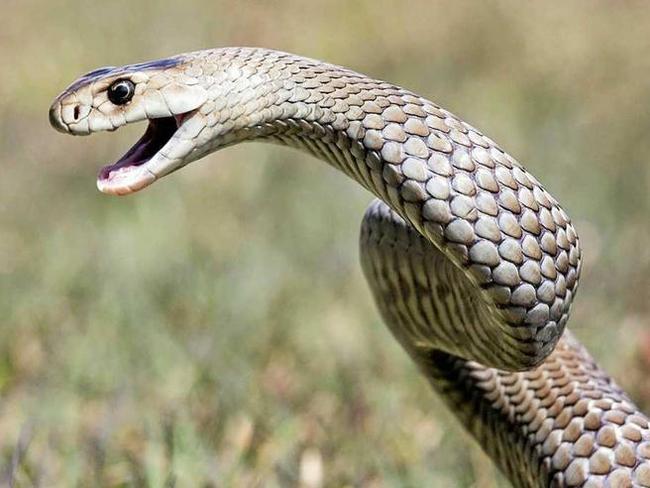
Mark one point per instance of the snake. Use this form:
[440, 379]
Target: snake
[472, 263]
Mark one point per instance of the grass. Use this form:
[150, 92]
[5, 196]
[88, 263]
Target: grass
[215, 330]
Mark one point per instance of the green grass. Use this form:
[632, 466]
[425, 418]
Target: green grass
[215, 330]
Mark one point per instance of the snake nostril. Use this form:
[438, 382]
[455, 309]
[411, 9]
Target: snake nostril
[75, 112]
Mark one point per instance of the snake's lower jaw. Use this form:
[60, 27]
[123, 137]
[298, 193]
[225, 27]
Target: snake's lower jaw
[126, 182]
[157, 153]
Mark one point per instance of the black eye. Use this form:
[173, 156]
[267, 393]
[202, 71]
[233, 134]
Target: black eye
[121, 92]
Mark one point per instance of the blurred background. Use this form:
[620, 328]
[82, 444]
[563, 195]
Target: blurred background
[215, 330]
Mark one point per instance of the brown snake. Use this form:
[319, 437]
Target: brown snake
[472, 263]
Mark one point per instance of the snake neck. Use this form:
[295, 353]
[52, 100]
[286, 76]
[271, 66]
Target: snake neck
[455, 186]
[341, 117]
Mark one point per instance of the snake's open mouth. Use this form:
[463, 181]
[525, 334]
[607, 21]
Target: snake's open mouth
[129, 173]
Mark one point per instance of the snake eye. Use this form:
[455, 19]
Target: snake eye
[121, 92]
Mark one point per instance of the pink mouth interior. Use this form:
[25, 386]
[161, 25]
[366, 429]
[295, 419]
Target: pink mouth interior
[158, 133]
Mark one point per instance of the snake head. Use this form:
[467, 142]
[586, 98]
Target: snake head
[163, 92]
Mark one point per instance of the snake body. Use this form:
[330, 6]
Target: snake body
[472, 263]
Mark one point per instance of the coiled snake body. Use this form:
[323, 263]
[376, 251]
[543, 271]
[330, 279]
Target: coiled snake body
[472, 263]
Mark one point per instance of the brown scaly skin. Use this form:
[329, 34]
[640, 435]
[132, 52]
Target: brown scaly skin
[563, 423]
[473, 264]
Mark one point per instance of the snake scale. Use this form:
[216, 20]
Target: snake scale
[472, 263]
